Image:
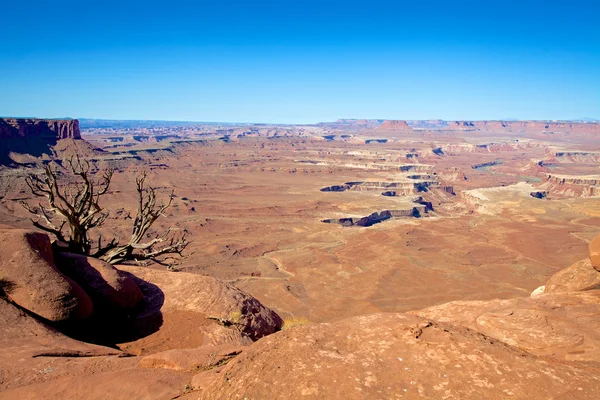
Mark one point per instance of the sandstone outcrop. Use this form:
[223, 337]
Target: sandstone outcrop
[415, 184]
[461, 148]
[34, 137]
[595, 252]
[48, 129]
[105, 284]
[194, 360]
[27, 264]
[386, 356]
[207, 296]
[377, 217]
[577, 277]
[572, 185]
[191, 323]
[396, 125]
[559, 325]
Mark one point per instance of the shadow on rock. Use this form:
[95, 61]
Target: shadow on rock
[6, 287]
[109, 327]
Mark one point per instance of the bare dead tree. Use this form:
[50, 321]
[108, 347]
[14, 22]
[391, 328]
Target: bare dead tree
[74, 210]
[147, 213]
[75, 205]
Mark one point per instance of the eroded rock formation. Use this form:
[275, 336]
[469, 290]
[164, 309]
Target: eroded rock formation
[34, 137]
[47, 129]
[572, 185]
[396, 125]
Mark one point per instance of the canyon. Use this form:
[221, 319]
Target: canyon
[348, 259]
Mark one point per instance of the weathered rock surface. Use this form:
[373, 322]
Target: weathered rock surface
[105, 284]
[394, 125]
[208, 296]
[34, 283]
[595, 252]
[564, 326]
[194, 360]
[28, 344]
[579, 276]
[385, 356]
[13, 128]
[112, 381]
[33, 136]
[23, 335]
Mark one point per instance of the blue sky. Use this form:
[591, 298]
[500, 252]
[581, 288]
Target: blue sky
[300, 61]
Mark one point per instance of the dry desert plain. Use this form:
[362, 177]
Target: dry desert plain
[350, 219]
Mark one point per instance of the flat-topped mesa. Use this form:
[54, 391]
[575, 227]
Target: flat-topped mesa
[460, 148]
[24, 139]
[543, 126]
[524, 126]
[399, 188]
[52, 129]
[396, 125]
[575, 179]
[417, 211]
[572, 185]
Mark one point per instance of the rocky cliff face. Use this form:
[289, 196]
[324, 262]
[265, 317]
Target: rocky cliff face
[33, 137]
[13, 128]
[572, 185]
[397, 125]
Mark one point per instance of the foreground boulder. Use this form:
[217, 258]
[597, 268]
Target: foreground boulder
[386, 356]
[170, 292]
[579, 276]
[34, 283]
[595, 252]
[106, 285]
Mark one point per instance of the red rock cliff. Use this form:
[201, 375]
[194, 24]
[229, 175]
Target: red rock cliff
[395, 125]
[52, 129]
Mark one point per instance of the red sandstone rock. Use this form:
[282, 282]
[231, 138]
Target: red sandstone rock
[386, 356]
[13, 128]
[198, 359]
[26, 262]
[595, 252]
[119, 383]
[394, 125]
[559, 325]
[579, 276]
[105, 284]
[33, 137]
[180, 291]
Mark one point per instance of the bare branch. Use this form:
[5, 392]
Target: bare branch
[74, 204]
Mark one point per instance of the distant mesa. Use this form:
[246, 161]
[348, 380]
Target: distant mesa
[547, 127]
[47, 129]
[377, 217]
[396, 125]
[34, 137]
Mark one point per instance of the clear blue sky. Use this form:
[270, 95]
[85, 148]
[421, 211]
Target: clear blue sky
[300, 61]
